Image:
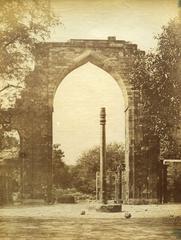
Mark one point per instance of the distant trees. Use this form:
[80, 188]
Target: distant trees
[84, 172]
[61, 173]
[82, 176]
[156, 76]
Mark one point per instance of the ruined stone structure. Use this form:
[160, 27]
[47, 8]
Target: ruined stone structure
[33, 114]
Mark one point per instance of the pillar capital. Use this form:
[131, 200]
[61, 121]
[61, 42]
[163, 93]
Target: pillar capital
[103, 116]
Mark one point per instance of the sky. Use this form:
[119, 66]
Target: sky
[132, 20]
[85, 90]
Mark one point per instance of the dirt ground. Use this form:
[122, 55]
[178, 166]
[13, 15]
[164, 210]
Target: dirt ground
[65, 222]
[74, 210]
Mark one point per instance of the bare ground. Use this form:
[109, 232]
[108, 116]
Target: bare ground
[65, 222]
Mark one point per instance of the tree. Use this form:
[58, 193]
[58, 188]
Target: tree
[23, 25]
[84, 172]
[155, 75]
[61, 175]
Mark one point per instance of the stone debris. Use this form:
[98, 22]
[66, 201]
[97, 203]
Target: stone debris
[82, 213]
[127, 215]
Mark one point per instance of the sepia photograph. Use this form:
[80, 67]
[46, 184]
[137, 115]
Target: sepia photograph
[90, 119]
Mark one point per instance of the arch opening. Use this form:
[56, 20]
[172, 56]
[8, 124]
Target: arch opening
[77, 103]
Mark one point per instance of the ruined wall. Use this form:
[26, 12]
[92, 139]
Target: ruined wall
[33, 114]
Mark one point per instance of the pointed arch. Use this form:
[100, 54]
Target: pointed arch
[99, 61]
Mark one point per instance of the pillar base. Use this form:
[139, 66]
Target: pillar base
[109, 208]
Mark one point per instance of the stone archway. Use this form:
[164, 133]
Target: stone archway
[111, 67]
[53, 62]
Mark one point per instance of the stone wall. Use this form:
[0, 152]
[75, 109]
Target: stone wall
[33, 114]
